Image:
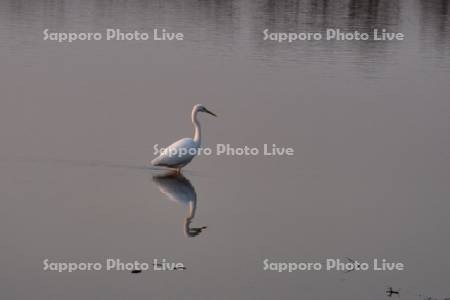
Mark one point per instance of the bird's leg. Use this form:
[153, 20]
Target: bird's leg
[175, 170]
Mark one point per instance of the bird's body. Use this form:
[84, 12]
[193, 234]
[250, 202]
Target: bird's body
[180, 153]
[172, 159]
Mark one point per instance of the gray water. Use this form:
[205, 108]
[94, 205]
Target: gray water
[369, 122]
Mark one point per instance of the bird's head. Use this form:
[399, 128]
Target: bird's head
[201, 108]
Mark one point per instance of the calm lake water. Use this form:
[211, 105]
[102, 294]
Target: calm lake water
[369, 123]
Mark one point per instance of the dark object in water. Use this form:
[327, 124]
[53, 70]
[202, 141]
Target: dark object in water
[136, 271]
[355, 265]
[390, 292]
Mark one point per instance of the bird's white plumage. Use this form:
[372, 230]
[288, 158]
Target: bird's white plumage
[180, 153]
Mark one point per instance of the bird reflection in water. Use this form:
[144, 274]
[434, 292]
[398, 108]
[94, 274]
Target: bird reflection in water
[179, 189]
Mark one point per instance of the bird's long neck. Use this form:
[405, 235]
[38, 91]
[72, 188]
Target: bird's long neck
[198, 130]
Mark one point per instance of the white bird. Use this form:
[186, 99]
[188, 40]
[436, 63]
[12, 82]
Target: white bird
[180, 153]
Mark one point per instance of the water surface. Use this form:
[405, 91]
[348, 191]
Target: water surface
[369, 123]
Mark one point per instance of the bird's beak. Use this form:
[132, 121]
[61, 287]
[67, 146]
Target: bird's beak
[210, 112]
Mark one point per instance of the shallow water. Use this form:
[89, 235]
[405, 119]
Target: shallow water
[369, 123]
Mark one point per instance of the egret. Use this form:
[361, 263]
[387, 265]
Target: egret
[180, 153]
